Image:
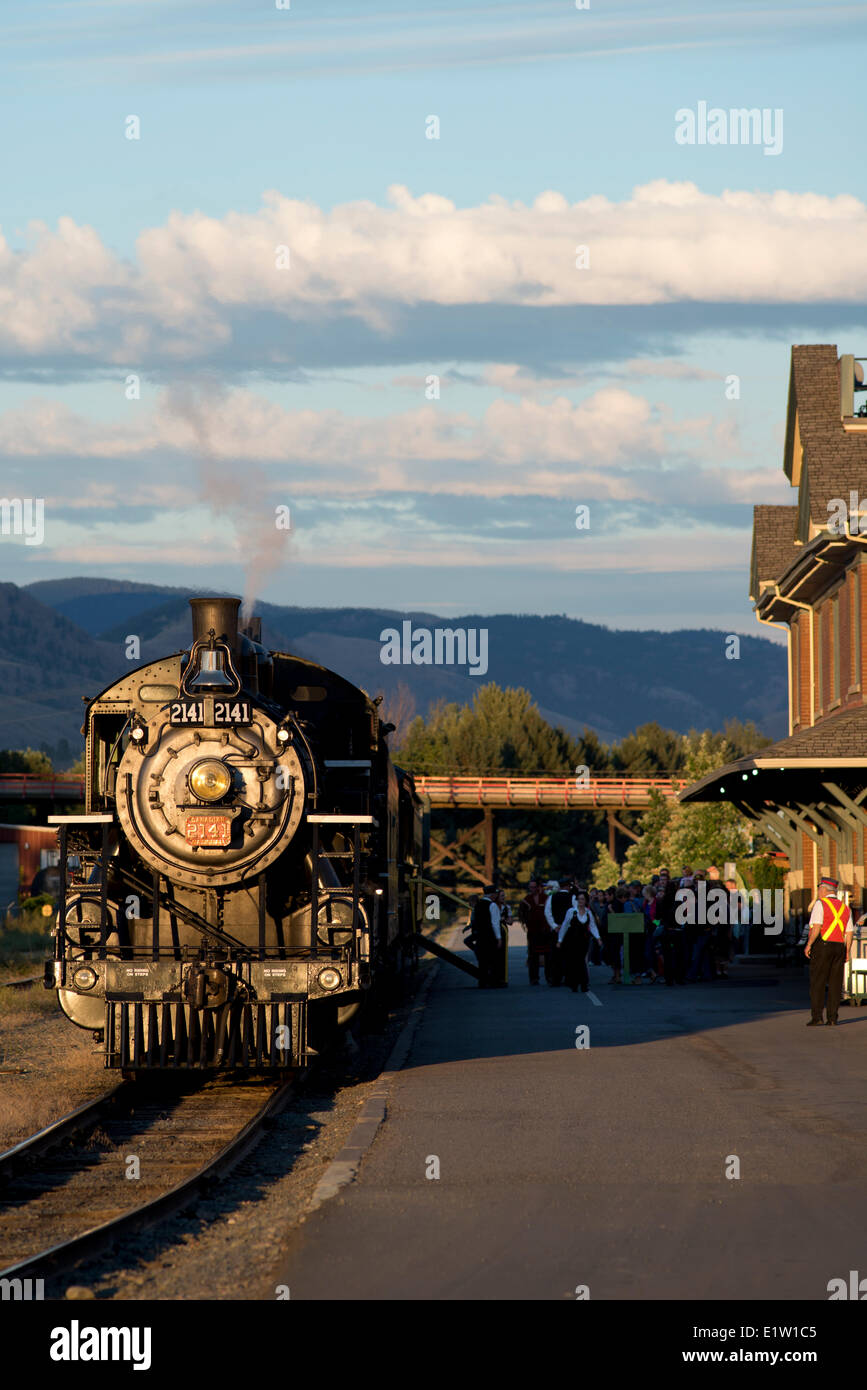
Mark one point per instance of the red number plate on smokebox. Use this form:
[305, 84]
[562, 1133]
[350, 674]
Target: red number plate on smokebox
[208, 830]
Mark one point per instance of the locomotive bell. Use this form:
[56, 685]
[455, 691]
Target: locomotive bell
[210, 675]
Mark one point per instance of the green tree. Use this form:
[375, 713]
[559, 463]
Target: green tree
[761, 872]
[29, 760]
[648, 750]
[501, 731]
[698, 833]
[648, 854]
[25, 760]
[605, 871]
[705, 832]
[743, 738]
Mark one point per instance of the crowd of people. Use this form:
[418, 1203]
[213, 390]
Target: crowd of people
[568, 925]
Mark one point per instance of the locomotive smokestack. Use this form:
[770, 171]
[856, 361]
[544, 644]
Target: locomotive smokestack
[221, 614]
[253, 629]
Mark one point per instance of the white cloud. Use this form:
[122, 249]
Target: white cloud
[613, 445]
[196, 277]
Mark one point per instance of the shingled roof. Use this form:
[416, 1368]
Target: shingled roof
[774, 546]
[839, 742]
[842, 735]
[835, 459]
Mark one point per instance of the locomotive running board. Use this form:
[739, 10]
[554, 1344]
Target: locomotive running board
[445, 954]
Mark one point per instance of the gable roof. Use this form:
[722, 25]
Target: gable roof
[774, 545]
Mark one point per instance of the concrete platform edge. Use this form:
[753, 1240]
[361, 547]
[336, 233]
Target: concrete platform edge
[344, 1166]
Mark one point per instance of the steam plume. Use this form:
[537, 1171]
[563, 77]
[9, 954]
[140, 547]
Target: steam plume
[242, 492]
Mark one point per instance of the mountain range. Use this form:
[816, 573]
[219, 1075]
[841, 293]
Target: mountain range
[62, 639]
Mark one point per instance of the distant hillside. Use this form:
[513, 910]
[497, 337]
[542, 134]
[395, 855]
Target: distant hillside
[61, 639]
[97, 604]
[46, 664]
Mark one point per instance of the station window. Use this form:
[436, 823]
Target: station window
[820, 656]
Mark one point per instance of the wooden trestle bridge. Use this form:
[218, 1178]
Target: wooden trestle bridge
[543, 793]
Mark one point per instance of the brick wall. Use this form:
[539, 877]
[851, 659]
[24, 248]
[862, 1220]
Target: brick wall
[860, 573]
[851, 673]
[804, 668]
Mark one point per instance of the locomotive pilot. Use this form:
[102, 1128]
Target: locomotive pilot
[827, 949]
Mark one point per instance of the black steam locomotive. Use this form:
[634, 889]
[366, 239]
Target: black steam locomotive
[249, 864]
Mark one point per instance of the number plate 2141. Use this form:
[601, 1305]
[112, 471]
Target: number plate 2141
[194, 712]
[208, 830]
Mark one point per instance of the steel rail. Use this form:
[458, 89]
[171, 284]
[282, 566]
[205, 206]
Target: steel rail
[48, 1138]
[51, 1260]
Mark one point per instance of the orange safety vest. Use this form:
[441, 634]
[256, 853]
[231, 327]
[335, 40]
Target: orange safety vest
[837, 919]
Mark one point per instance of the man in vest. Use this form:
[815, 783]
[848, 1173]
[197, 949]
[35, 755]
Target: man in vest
[826, 949]
[486, 937]
[560, 908]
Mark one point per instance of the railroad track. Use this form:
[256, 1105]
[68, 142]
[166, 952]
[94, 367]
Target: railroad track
[23, 983]
[71, 1190]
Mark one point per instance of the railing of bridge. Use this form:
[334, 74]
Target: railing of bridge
[546, 790]
[67, 786]
[443, 790]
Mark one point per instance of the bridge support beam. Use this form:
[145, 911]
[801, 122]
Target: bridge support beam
[624, 829]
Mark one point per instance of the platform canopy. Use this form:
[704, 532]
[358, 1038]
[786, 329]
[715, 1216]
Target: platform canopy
[814, 782]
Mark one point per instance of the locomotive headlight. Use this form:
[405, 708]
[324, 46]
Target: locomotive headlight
[210, 779]
[84, 977]
[329, 978]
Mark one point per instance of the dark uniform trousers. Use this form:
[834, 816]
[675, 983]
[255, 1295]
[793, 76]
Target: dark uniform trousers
[827, 964]
[488, 955]
[674, 955]
[534, 957]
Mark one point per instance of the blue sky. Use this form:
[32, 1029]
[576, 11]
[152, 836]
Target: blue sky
[409, 257]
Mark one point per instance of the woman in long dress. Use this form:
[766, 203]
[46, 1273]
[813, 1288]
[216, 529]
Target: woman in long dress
[574, 944]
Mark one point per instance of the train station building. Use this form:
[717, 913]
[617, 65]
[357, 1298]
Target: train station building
[808, 791]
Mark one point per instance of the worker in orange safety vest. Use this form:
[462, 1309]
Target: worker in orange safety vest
[827, 949]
